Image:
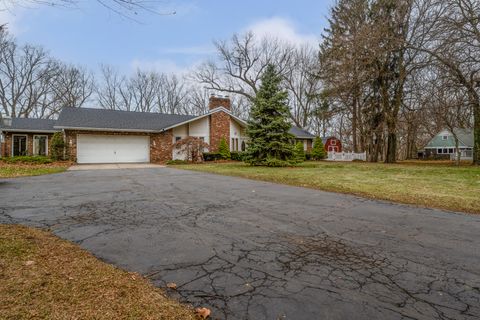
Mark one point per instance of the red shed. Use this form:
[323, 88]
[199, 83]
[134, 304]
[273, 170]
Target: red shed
[332, 144]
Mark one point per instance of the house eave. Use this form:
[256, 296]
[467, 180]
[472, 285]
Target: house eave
[442, 147]
[106, 129]
[27, 130]
[206, 115]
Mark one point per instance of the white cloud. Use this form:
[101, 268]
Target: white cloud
[283, 29]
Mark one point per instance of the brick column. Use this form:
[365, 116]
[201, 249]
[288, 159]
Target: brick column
[219, 122]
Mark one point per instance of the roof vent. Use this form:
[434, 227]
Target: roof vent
[6, 122]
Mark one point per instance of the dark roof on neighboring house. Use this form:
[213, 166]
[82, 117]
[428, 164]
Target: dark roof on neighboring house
[86, 118]
[300, 133]
[28, 125]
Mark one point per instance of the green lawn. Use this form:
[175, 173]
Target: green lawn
[426, 184]
[22, 170]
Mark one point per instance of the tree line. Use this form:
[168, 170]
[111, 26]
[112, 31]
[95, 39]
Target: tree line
[399, 71]
[386, 76]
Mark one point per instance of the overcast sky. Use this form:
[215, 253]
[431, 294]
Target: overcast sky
[91, 35]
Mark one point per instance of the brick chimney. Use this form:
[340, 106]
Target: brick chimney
[219, 122]
[219, 101]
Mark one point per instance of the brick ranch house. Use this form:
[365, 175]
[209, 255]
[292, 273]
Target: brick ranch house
[107, 136]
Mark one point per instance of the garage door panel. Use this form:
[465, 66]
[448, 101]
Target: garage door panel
[112, 149]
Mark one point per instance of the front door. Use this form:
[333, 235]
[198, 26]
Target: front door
[19, 146]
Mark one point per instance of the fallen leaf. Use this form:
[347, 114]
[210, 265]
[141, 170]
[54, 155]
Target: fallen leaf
[172, 285]
[29, 263]
[203, 313]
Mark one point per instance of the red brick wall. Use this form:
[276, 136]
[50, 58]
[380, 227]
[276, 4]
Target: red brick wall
[219, 122]
[7, 147]
[219, 128]
[216, 102]
[161, 144]
[161, 147]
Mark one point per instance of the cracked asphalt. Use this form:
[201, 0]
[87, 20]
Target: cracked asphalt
[254, 250]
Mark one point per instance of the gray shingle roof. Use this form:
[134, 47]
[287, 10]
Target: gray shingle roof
[114, 119]
[300, 133]
[29, 125]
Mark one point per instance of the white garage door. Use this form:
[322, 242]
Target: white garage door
[112, 149]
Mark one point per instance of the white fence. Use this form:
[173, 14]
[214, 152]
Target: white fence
[346, 156]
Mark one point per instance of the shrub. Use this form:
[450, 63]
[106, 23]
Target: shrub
[318, 150]
[236, 156]
[57, 147]
[299, 152]
[211, 156]
[224, 150]
[28, 159]
[308, 156]
[192, 147]
[177, 162]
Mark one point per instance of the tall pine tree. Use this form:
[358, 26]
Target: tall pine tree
[268, 128]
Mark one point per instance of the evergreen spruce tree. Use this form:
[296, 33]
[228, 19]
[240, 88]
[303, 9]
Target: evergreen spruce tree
[223, 149]
[57, 146]
[268, 127]
[299, 152]
[318, 150]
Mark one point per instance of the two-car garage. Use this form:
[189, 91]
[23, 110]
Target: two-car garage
[113, 149]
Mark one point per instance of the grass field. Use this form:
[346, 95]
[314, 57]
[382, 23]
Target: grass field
[44, 277]
[21, 170]
[435, 184]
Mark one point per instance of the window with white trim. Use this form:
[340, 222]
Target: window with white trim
[40, 145]
[19, 145]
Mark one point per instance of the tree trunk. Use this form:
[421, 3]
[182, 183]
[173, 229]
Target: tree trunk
[391, 154]
[354, 125]
[476, 134]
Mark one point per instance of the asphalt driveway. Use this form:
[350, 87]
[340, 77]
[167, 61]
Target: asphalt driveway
[253, 250]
